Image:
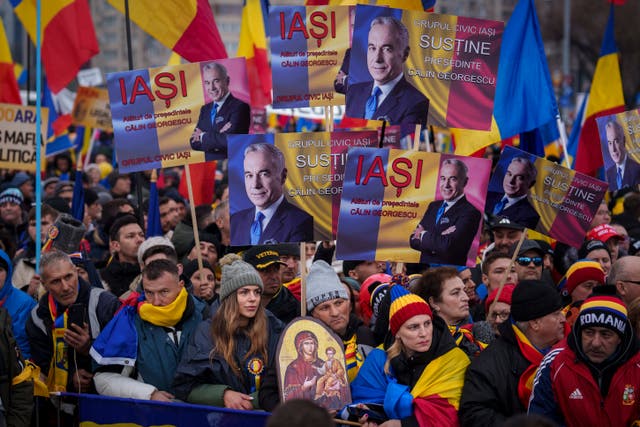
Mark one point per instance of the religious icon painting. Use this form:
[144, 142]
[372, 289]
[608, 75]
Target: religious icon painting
[312, 365]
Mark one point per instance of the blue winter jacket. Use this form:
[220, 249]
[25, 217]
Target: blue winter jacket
[19, 305]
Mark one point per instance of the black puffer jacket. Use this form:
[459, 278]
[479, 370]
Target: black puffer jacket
[490, 392]
[119, 275]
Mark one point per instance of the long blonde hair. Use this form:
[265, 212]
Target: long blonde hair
[226, 323]
[392, 352]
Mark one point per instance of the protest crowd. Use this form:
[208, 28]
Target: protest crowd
[515, 337]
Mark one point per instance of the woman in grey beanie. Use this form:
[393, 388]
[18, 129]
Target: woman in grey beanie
[227, 356]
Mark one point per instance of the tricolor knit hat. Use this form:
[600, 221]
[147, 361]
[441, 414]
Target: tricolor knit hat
[12, 195]
[323, 284]
[581, 271]
[235, 274]
[605, 311]
[405, 305]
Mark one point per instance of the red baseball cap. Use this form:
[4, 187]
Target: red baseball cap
[603, 232]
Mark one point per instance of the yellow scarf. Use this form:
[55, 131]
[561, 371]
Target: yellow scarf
[59, 366]
[166, 316]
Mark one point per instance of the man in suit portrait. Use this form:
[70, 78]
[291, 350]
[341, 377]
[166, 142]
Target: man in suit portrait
[272, 219]
[448, 227]
[389, 96]
[625, 171]
[513, 204]
[224, 115]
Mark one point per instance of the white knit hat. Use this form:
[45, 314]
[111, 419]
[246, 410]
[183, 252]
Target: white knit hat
[323, 284]
[152, 242]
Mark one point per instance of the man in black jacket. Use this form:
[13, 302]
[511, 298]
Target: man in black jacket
[498, 382]
[49, 326]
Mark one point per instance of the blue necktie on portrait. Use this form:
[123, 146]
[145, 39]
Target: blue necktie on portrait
[372, 103]
[441, 211]
[499, 207]
[256, 228]
[214, 111]
[619, 177]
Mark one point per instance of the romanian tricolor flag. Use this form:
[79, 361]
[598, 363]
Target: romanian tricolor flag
[436, 394]
[68, 37]
[9, 91]
[574, 136]
[57, 132]
[605, 97]
[253, 46]
[524, 98]
[184, 26]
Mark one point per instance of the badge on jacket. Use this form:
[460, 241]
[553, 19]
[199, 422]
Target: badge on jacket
[628, 395]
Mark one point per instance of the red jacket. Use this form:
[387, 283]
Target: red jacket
[566, 391]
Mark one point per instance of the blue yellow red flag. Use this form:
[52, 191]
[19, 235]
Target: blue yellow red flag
[524, 98]
[57, 133]
[253, 46]
[185, 26]
[605, 97]
[9, 90]
[68, 36]
[572, 144]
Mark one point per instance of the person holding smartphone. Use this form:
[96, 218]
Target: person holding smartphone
[67, 319]
[402, 379]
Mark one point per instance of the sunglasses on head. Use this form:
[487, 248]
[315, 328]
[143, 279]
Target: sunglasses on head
[525, 260]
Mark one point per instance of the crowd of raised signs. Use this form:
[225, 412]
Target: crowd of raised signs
[536, 327]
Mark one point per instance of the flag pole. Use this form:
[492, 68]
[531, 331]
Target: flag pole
[127, 20]
[563, 139]
[416, 138]
[303, 278]
[194, 221]
[38, 130]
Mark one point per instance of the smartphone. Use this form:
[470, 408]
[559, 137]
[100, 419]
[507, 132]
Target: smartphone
[77, 314]
[375, 413]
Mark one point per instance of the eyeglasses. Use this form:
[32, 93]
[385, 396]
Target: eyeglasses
[525, 260]
[502, 315]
